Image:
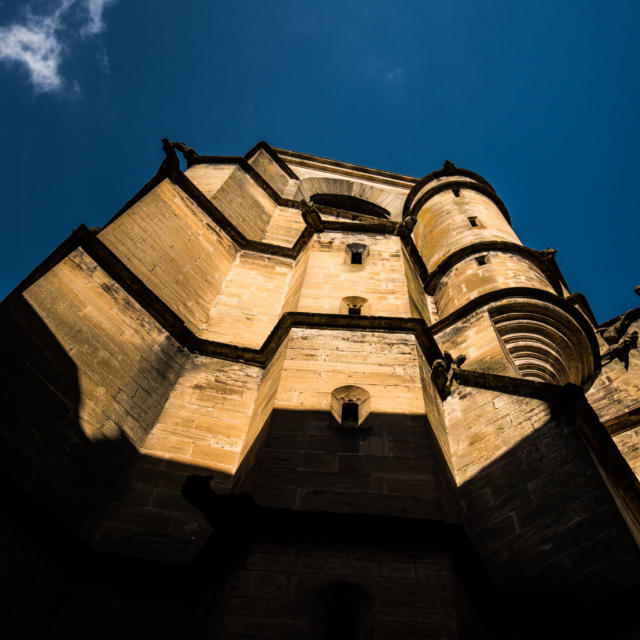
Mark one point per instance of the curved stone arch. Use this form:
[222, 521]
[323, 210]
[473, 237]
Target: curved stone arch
[389, 200]
[355, 305]
[543, 342]
[350, 394]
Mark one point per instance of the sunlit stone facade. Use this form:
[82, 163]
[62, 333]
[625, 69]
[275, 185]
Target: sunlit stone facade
[289, 397]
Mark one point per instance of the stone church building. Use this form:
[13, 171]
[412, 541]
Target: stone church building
[279, 396]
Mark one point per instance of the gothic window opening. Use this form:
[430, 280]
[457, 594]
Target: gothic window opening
[350, 204]
[349, 414]
[350, 406]
[357, 253]
[354, 306]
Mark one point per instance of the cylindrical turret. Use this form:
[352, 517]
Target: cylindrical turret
[464, 236]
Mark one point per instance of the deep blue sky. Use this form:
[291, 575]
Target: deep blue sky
[541, 98]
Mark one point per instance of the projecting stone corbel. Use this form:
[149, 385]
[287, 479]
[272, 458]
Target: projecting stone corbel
[621, 350]
[311, 216]
[614, 333]
[443, 373]
[405, 228]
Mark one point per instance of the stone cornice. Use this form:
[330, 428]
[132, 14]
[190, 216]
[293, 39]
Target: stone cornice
[447, 171]
[268, 149]
[174, 325]
[480, 188]
[530, 293]
[548, 266]
[313, 224]
[346, 168]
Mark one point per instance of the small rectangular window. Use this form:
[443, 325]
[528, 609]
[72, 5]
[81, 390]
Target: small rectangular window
[473, 221]
[355, 311]
[356, 257]
[350, 414]
[481, 260]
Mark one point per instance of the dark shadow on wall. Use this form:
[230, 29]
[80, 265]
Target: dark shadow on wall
[544, 523]
[390, 465]
[55, 485]
[44, 447]
[540, 511]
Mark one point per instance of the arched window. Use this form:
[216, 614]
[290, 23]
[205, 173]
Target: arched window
[350, 406]
[352, 204]
[357, 252]
[354, 306]
[349, 414]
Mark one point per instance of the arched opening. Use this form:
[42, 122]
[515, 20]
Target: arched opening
[350, 406]
[354, 306]
[349, 414]
[357, 252]
[351, 204]
[543, 343]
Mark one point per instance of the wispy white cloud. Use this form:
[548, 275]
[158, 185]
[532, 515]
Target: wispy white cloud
[95, 9]
[39, 42]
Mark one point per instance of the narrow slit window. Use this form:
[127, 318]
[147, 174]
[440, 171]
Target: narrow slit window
[473, 221]
[357, 252]
[349, 414]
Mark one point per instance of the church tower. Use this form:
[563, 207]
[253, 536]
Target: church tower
[289, 397]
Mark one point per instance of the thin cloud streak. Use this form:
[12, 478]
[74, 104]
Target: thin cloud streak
[39, 43]
[95, 9]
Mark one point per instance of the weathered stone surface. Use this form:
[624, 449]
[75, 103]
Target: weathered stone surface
[141, 359]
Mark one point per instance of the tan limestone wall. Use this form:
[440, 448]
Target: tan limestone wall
[330, 277]
[264, 402]
[319, 361]
[296, 280]
[175, 249]
[207, 416]
[434, 183]
[476, 338]
[417, 295]
[629, 444]
[433, 408]
[532, 496]
[467, 280]
[244, 203]
[126, 364]
[616, 391]
[87, 372]
[210, 177]
[285, 227]
[270, 171]
[615, 396]
[443, 226]
[250, 302]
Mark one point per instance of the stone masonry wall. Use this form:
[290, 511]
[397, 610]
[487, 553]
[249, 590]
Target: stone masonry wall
[319, 361]
[330, 277]
[443, 225]
[175, 249]
[534, 504]
[96, 370]
[250, 302]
